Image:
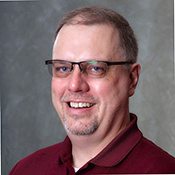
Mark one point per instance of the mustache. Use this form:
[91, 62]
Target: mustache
[80, 97]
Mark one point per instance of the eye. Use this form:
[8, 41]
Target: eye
[62, 69]
[96, 70]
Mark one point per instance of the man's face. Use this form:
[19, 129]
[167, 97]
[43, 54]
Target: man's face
[85, 104]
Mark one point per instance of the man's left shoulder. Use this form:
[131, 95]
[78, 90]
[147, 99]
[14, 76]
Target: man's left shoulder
[154, 150]
[155, 156]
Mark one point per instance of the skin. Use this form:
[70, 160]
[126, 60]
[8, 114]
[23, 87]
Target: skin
[109, 95]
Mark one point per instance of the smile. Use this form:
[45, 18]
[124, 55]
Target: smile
[80, 105]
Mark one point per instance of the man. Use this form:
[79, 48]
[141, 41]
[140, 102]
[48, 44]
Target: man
[94, 73]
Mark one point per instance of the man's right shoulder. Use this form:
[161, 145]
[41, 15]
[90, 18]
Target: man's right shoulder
[46, 152]
[40, 158]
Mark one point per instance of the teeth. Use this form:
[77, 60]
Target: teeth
[80, 105]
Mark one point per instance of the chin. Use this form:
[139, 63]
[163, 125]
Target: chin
[79, 128]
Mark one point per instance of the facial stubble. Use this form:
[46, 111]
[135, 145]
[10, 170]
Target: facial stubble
[81, 128]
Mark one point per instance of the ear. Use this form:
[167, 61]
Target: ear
[134, 77]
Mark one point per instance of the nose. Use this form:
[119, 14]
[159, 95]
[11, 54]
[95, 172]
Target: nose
[77, 82]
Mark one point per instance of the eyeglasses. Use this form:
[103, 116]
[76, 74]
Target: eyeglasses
[94, 69]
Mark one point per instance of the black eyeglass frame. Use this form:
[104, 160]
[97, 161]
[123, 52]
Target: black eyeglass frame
[47, 62]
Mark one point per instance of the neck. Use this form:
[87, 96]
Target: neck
[84, 148]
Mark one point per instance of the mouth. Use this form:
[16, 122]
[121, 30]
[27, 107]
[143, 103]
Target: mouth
[80, 105]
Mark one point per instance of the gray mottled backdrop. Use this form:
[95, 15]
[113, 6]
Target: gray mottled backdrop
[29, 122]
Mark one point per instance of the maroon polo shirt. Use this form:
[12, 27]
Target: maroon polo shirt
[128, 153]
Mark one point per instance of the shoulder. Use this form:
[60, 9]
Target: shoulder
[38, 161]
[44, 152]
[153, 150]
[156, 159]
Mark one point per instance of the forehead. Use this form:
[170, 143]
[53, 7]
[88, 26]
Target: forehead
[83, 40]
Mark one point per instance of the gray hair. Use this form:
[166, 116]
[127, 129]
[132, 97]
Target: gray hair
[98, 15]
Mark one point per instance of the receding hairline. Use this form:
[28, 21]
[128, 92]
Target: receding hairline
[93, 15]
[81, 20]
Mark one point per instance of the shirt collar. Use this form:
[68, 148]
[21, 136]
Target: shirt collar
[115, 152]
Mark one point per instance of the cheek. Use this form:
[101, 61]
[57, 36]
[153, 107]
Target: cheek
[57, 92]
[58, 87]
[111, 91]
[105, 91]
[54, 90]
